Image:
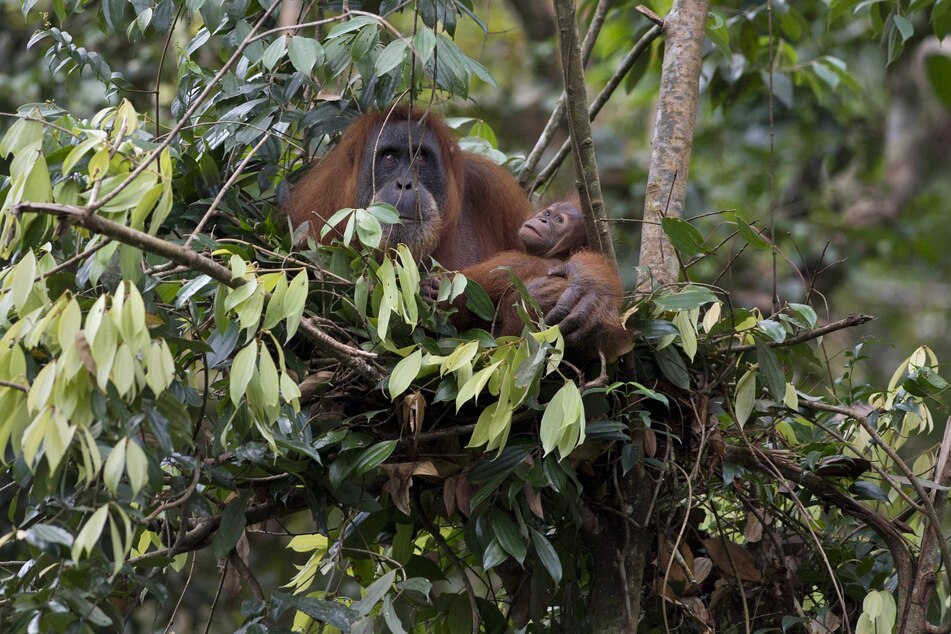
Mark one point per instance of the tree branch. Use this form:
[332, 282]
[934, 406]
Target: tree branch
[354, 358]
[579, 127]
[595, 108]
[587, 46]
[673, 138]
[849, 322]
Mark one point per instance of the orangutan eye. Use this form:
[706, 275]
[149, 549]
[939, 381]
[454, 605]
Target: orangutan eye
[560, 219]
[388, 156]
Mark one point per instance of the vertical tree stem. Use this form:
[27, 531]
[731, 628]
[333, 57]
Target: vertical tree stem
[579, 128]
[673, 138]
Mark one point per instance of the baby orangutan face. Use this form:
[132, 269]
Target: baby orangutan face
[554, 232]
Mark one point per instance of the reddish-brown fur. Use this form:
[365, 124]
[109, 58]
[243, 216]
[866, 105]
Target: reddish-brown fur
[547, 279]
[485, 209]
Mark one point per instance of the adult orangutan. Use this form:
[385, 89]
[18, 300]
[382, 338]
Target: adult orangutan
[459, 208]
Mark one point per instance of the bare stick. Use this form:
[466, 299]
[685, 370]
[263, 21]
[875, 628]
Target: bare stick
[849, 322]
[619, 74]
[579, 126]
[587, 46]
[225, 189]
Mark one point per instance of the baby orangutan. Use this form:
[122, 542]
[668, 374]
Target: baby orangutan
[555, 260]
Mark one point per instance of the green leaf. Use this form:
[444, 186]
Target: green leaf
[404, 373]
[330, 612]
[749, 234]
[940, 19]
[23, 276]
[461, 356]
[684, 237]
[136, 465]
[374, 456]
[305, 53]
[745, 394]
[506, 531]
[547, 555]
[115, 464]
[294, 302]
[231, 528]
[905, 27]
[274, 52]
[769, 364]
[390, 616]
[473, 387]
[242, 369]
[938, 67]
[688, 298]
[478, 300]
[268, 379]
[424, 43]
[673, 367]
[391, 56]
[88, 537]
[688, 335]
[563, 411]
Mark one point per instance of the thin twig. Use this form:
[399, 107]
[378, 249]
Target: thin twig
[624, 67]
[849, 322]
[235, 560]
[225, 189]
[579, 127]
[558, 114]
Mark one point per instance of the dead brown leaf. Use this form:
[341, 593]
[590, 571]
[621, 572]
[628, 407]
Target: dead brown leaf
[733, 560]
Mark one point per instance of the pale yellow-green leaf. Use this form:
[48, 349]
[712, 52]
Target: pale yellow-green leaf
[791, 399]
[408, 272]
[162, 209]
[42, 387]
[480, 435]
[59, 434]
[155, 377]
[242, 369]
[104, 351]
[238, 266]
[130, 195]
[89, 535]
[290, 392]
[22, 283]
[123, 370]
[94, 319]
[889, 611]
[115, 464]
[459, 282]
[239, 295]
[688, 336]
[133, 317]
[249, 312]
[743, 399]
[70, 321]
[118, 550]
[294, 301]
[136, 465]
[500, 426]
[144, 205]
[461, 356]
[275, 305]
[404, 373]
[712, 316]
[267, 373]
[561, 413]
[34, 434]
[126, 119]
[383, 320]
[473, 387]
[92, 451]
[23, 133]
[99, 164]
[872, 605]
[387, 276]
[80, 150]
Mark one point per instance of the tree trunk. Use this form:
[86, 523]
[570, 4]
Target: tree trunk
[673, 138]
